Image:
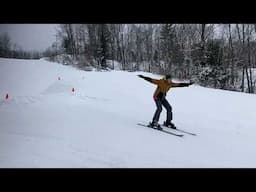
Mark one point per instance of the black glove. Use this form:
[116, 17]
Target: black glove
[184, 84]
[191, 83]
[146, 78]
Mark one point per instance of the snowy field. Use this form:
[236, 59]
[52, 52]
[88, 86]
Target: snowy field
[43, 124]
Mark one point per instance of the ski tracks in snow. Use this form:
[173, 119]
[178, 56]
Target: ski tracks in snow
[85, 97]
[21, 100]
[65, 88]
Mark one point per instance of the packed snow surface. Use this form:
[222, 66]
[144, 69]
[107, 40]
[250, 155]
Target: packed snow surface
[43, 124]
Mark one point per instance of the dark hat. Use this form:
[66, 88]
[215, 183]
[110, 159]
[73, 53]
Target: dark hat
[168, 76]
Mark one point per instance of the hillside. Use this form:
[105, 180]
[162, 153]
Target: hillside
[44, 124]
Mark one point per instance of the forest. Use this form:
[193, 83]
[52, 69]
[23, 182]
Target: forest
[213, 55]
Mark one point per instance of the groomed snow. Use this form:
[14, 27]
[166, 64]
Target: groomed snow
[43, 124]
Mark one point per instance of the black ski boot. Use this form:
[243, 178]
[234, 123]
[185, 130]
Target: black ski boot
[155, 125]
[169, 125]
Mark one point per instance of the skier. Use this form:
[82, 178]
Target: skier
[163, 86]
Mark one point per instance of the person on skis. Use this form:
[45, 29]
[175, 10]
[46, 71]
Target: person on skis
[163, 86]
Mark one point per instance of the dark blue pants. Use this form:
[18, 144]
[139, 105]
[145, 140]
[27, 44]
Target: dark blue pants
[167, 106]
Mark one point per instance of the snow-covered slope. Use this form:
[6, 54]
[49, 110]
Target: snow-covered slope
[45, 124]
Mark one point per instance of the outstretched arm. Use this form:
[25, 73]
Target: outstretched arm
[181, 84]
[154, 81]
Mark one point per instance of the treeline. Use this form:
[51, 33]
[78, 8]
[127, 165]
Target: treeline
[10, 50]
[215, 55]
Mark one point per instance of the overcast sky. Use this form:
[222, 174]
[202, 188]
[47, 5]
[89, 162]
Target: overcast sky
[31, 36]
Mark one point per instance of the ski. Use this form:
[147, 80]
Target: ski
[178, 135]
[180, 130]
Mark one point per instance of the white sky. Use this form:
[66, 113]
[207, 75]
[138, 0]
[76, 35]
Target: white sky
[36, 37]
